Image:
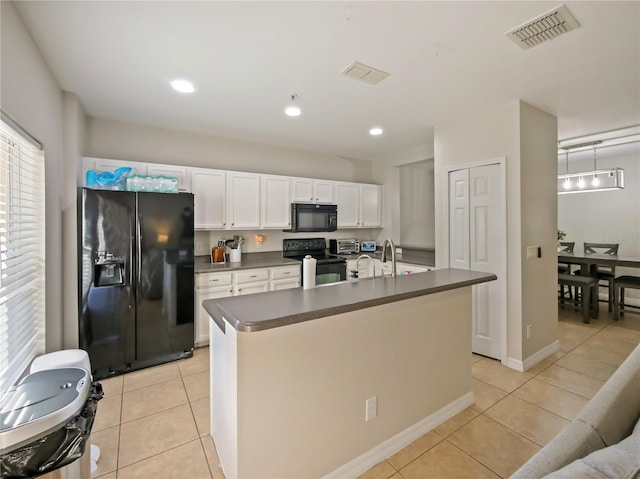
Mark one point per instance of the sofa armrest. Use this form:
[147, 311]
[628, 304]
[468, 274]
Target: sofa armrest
[574, 441]
[614, 409]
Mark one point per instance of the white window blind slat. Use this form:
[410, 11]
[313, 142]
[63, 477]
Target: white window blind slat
[22, 262]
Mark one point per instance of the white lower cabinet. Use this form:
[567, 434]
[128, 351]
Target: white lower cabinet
[284, 277]
[208, 286]
[250, 281]
[238, 283]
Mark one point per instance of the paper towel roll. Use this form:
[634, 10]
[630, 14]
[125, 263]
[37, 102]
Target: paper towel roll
[308, 272]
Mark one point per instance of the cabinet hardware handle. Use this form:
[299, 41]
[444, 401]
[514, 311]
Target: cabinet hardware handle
[253, 276]
[286, 272]
[232, 224]
[311, 198]
[214, 280]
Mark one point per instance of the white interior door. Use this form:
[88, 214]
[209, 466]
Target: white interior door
[482, 240]
[459, 219]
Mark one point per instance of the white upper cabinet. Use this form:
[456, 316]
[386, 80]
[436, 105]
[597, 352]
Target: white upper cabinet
[209, 197]
[347, 196]
[359, 205]
[243, 200]
[275, 205]
[306, 190]
[370, 206]
[180, 173]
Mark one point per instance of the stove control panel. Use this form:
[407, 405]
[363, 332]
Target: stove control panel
[302, 245]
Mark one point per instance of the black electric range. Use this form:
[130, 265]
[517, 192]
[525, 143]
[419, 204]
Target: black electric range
[330, 268]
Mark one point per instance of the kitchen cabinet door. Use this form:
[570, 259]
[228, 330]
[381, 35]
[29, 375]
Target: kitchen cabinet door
[284, 277]
[347, 196]
[251, 288]
[370, 206]
[275, 207]
[289, 283]
[324, 191]
[180, 172]
[302, 190]
[202, 317]
[209, 188]
[306, 190]
[243, 200]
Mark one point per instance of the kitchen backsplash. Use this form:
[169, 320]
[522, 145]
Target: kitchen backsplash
[204, 240]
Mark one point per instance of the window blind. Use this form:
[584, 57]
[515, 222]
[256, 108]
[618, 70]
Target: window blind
[22, 267]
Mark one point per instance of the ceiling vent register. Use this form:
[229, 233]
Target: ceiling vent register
[544, 28]
[364, 73]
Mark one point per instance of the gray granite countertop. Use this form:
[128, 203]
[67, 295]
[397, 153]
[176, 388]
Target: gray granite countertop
[275, 309]
[203, 264]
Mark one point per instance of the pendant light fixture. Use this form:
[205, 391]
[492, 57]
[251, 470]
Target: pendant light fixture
[594, 180]
[293, 109]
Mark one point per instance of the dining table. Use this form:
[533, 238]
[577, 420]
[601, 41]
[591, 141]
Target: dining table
[589, 263]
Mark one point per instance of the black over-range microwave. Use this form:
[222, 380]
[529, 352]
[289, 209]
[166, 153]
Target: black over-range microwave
[307, 218]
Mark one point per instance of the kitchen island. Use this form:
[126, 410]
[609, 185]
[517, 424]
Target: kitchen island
[292, 370]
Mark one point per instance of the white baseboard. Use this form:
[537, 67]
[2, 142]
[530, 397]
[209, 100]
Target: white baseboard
[534, 359]
[366, 461]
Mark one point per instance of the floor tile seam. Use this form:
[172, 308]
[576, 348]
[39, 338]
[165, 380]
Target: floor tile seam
[565, 389]
[155, 412]
[474, 458]
[575, 372]
[159, 453]
[206, 458]
[516, 432]
[497, 387]
[152, 384]
[442, 438]
[545, 409]
[193, 373]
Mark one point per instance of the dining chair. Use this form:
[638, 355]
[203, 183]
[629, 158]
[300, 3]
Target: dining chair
[619, 285]
[604, 273]
[565, 247]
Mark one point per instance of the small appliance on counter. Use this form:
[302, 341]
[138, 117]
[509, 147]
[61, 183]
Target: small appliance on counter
[343, 246]
[368, 246]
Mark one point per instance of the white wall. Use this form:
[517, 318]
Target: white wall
[123, 141]
[31, 95]
[386, 173]
[605, 216]
[525, 136]
[417, 208]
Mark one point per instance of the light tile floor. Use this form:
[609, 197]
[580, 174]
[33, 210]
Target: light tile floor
[154, 423]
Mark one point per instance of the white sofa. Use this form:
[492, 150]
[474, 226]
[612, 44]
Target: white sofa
[603, 441]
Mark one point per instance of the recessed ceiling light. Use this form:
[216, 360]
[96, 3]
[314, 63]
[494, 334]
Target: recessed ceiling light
[375, 131]
[183, 86]
[292, 109]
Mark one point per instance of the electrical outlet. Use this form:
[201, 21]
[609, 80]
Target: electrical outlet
[371, 408]
[529, 331]
[532, 252]
[199, 247]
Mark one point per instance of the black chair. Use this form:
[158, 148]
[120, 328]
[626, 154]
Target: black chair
[604, 273]
[619, 285]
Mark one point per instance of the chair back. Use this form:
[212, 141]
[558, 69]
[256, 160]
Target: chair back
[567, 246]
[601, 248]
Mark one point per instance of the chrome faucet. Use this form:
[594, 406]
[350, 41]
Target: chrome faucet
[366, 256]
[393, 255]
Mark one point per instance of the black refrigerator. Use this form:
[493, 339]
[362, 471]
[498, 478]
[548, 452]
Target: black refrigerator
[136, 291]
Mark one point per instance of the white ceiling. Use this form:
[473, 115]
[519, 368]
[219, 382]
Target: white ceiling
[447, 60]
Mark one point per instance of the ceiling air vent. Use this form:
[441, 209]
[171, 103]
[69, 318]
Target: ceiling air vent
[362, 72]
[546, 27]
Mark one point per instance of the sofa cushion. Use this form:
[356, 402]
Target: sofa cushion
[613, 411]
[575, 441]
[620, 461]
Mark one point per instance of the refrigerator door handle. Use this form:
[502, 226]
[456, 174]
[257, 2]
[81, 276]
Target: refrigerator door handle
[139, 247]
